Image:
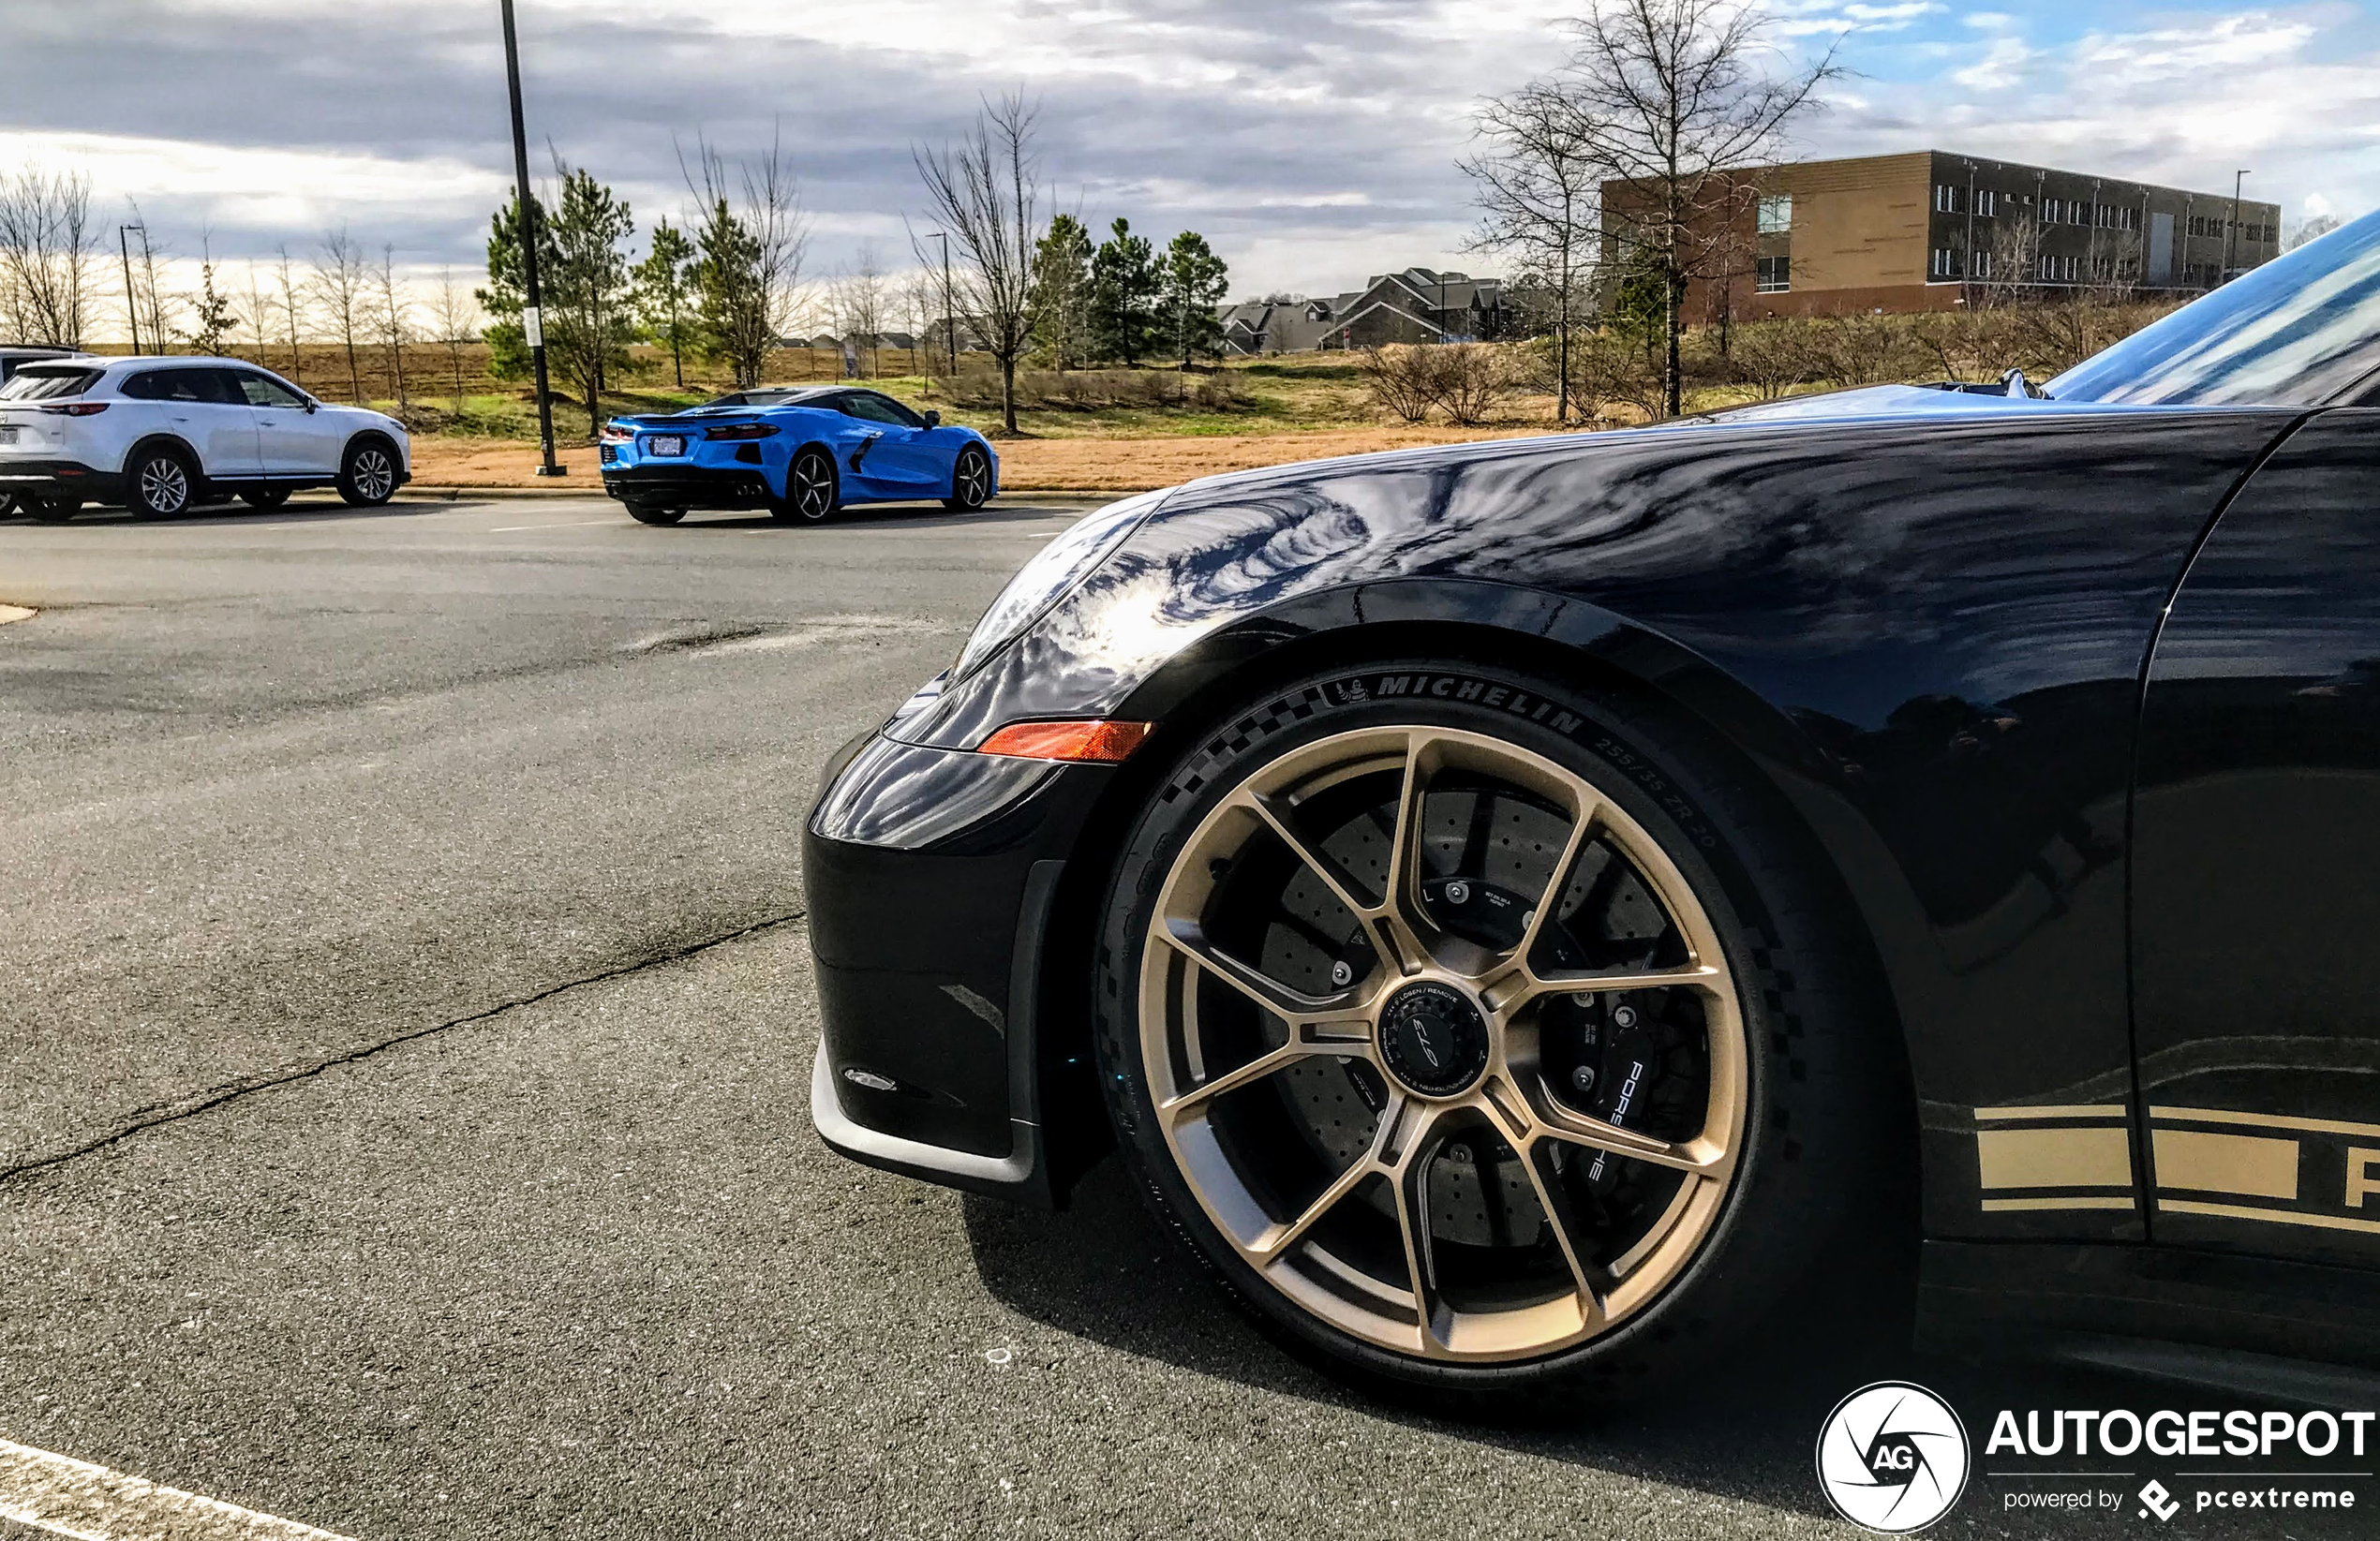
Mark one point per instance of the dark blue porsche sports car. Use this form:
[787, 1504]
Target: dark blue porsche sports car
[800, 453]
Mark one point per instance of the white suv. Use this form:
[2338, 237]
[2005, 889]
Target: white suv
[158, 435]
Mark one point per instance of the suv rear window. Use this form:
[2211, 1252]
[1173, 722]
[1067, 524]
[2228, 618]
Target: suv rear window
[202, 385]
[35, 383]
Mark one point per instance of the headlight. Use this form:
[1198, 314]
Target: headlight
[1053, 574]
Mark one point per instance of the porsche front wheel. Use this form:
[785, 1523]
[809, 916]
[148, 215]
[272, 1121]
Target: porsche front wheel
[1455, 1018]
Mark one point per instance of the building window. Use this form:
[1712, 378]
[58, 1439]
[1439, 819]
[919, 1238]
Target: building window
[1986, 202]
[1772, 275]
[1949, 198]
[1979, 264]
[1777, 214]
[1946, 263]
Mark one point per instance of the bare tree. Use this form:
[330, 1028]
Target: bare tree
[1536, 183]
[391, 316]
[48, 256]
[2313, 228]
[153, 310]
[859, 303]
[340, 285]
[293, 315]
[1677, 100]
[259, 316]
[750, 245]
[920, 292]
[983, 191]
[456, 316]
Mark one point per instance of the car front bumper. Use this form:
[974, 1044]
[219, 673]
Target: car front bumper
[932, 876]
[690, 486]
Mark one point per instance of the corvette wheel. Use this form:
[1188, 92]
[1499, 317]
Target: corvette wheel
[164, 484]
[1436, 1032]
[811, 491]
[970, 482]
[654, 514]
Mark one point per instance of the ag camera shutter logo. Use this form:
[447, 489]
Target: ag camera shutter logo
[1892, 1458]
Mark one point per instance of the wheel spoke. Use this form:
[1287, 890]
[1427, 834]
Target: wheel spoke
[1562, 1219]
[1185, 938]
[1402, 923]
[1704, 1156]
[1410, 1179]
[1516, 985]
[1264, 1064]
[1275, 1243]
[1342, 884]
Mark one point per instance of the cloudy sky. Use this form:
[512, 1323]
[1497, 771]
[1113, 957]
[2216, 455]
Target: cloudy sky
[1312, 141]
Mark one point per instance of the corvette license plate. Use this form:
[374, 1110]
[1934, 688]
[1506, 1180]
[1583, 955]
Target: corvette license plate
[666, 444]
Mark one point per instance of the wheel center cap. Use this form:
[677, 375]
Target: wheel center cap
[1434, 1039]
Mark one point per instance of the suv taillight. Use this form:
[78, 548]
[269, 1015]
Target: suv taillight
[77, 408]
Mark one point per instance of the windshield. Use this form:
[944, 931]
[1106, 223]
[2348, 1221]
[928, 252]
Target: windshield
[38, 384]
[2299, 332]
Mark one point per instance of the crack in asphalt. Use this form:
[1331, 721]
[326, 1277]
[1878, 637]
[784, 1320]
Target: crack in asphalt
[217, 1096]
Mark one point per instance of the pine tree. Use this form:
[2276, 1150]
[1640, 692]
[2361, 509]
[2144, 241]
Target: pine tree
[665, 293]
[732, 292]
[589, 299]
[1124, 295]
[213, 321]
[1062, 293]
[1193, 279]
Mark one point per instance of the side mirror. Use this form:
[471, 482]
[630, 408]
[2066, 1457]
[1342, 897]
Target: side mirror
[312, 406]
[933, 419]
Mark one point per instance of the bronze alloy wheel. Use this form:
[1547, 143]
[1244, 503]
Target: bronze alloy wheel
[1500, 1014]
[1460, 1021]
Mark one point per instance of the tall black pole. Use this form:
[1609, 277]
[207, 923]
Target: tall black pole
[533, 318]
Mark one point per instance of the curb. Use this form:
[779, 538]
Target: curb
[16, 613]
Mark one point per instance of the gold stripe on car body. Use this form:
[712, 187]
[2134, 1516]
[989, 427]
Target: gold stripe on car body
[2282, 1217]
[2054, 1158]
[2267, 1120]
[2256, 1166]
[2067, 1113]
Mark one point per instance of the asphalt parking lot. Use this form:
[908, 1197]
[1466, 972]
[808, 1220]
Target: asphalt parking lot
[406, 1019]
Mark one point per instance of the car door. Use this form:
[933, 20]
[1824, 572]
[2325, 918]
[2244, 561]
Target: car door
[205, 410]
[291, 441]
[900, 461]
[2256, 867]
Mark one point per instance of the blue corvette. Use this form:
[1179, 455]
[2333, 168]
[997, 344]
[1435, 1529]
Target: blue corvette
[800, 453]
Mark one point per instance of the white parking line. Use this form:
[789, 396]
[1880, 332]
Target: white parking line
[558, 524]
[68, 1497]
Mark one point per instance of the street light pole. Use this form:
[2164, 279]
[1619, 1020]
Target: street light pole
[532, 317]
[131, 300]
[2231, 236]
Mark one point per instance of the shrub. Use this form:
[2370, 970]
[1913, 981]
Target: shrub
[1402, 380]
[1100, 390]
[1471, 380]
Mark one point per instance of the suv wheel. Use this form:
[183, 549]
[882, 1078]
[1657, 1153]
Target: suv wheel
[163, 484]
[368, 476]
[1487, 1049]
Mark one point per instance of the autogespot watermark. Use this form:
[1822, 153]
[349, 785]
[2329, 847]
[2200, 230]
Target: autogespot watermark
[1894, 1458]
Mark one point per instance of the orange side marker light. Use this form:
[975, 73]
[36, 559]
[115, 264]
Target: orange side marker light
[1096, 739]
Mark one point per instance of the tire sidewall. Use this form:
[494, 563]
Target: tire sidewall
[1595, 738]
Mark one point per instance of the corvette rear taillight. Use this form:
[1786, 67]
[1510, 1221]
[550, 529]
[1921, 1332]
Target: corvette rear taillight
[78, 408]
[742, 430]
[614, 434]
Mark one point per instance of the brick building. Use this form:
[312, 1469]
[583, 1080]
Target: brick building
[1931, 231]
